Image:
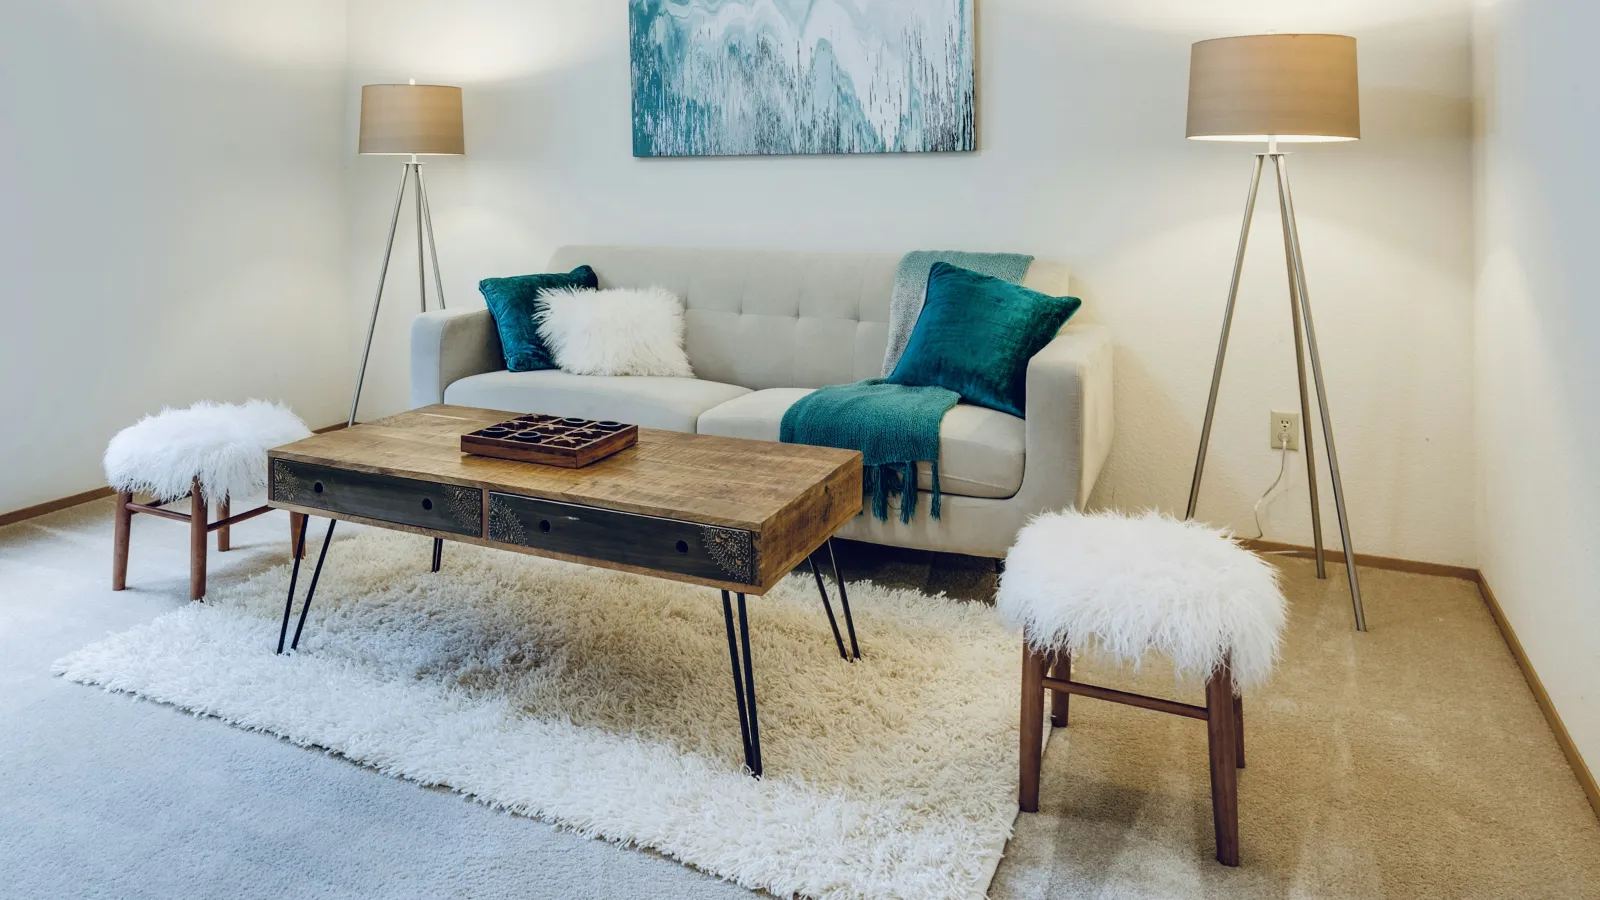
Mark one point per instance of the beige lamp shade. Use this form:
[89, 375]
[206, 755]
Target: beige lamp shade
[1295, 87]
[411, 118]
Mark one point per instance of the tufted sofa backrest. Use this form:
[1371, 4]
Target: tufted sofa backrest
[766, 319]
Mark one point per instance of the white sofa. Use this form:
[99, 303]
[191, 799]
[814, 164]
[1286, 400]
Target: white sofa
[764, 328]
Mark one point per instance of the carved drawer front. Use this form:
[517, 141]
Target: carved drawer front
[404, 501]
[701, 551]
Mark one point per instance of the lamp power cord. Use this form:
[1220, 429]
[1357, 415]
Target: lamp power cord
[1283, 472]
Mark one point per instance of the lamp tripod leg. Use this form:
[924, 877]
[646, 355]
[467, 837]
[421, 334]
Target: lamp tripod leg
[1297, 262]
[422, 266]
[433, 245]
[1305, 398]
[1222, 342]
[377, 300]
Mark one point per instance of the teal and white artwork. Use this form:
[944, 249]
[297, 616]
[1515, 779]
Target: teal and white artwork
[752, 77]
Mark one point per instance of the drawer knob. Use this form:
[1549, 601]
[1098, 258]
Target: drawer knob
[317, 487]
[683, 546]
[544, 525]
[426, 503]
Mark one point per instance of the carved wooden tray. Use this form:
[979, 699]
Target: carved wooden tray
[551, 440]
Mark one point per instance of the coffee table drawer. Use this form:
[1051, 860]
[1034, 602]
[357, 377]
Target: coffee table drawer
[403, 501]
[702, 551]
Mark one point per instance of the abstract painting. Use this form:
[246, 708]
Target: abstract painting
[754, 77]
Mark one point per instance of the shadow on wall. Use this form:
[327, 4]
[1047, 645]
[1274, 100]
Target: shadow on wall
[236, 33]
[177, 200]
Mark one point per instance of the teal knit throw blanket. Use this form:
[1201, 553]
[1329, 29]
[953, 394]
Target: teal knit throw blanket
[894, 426]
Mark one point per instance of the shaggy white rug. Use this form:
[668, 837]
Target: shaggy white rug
[603, 702]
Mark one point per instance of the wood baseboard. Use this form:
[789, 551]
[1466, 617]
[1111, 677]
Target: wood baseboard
[1394, 563]
[50, 506]
[1575, 759]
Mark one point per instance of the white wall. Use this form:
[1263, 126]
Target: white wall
[171, 220]
[1538, 326]
[1083, 160]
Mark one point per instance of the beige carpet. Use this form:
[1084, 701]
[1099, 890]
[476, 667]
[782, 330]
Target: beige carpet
[1407, 762]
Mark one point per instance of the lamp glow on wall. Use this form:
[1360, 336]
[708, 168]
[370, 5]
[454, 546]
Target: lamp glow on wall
[1280, 88]
[408, 120]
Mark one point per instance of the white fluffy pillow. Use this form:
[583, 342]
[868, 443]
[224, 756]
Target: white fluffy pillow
[614, 332]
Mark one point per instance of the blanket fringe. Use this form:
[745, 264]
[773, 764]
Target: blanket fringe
[877, 486]
[899, 481]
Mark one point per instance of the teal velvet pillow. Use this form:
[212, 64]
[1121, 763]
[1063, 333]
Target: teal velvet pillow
[976, 335]
[512, 303]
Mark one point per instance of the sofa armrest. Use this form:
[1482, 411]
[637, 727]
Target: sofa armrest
[447, 346]
[1069, 418]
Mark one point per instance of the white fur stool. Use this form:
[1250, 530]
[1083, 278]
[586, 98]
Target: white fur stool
[210, 450]
[1133, 585]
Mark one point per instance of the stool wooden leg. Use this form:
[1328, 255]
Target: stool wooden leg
[1221, 731]
[1238, 728]
[1061, 670]
[198, 513]
[119, 541]
[224, 538]
[297, 527]
[1032, 730]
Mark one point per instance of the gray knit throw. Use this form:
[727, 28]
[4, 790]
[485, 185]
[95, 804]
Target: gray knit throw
[911, 288]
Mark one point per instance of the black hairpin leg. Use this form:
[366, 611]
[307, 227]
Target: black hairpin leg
[744, 683]
[311, 590]
[844, 601]
[438, 553]
[294, 575]
[827, 604]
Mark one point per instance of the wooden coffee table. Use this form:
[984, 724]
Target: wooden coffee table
[726, 513]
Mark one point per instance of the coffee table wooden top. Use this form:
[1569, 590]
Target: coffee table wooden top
[790, 497]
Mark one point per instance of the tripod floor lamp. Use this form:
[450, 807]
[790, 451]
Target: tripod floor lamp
[1276, 88]
[408, 120]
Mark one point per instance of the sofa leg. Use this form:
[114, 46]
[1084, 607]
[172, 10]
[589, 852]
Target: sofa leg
[119, 543]
[1224, 765]
[1031, 747]
[198, 512]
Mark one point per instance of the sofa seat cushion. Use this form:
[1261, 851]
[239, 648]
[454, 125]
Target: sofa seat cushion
[980, 450]
[649, 401]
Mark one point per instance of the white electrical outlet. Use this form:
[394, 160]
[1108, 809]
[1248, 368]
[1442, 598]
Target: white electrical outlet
[1285, 423]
